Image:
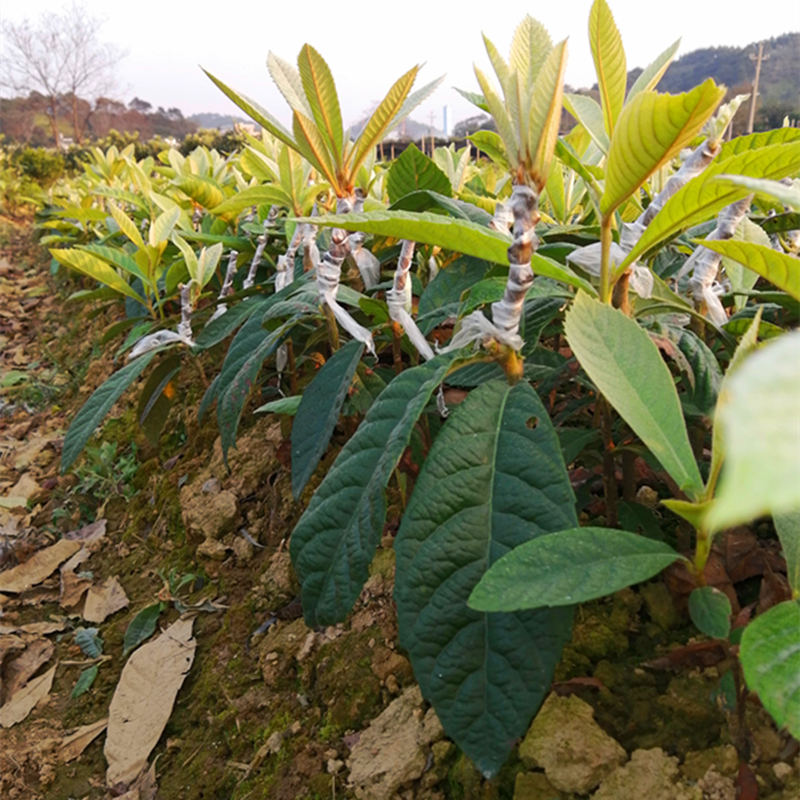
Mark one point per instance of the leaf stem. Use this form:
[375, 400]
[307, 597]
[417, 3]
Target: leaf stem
[605, 258]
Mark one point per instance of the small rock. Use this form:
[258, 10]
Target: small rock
[334, 766]
[243, 550]
[782, 771]
[723, 759]
[212, 549]
[392, 685]
[650, 774]
[211, 486]
[648, 497]
[208, 516]
[295, 728]
[716, 786]
[275, 742]
[575, 752]
[273, 656]
[534, 786]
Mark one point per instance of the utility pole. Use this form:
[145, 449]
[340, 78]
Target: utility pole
[758, 59]
[432, 118]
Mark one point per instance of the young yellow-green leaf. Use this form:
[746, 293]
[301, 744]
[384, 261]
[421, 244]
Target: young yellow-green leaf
[256, 112]
[758, 414]
[383, 116]
[162, 228]
[770, 656]
[321, 95]
[530, 47]
[545, 112]
[704, 196]
[289, 83]
[568, 567]
[205, 191]
[207, 263]
[119, 258]
[314, 148]
[780, 269]
[189, 257]
[652, 129]
[501, 68]
[90, 265]
[126, 225]
[626, 366]
[787, 195]
[254, 196]
[586, 110]
[653, 73]
[710, 611]
[504, 125]
[755, 141]
[490, 143]
[609, 62]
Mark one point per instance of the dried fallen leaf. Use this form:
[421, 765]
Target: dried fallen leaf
[74, 744]
[105, 600]
[26, 699]
[144, 787]
[36, 628]
[73, 588]
[143, 700]
[24, 666]
[38, 567]
[8, 644]
[88, 533]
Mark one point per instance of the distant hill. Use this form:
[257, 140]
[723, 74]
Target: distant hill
[222, 122]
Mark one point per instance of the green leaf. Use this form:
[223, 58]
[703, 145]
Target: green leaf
[609, 62]
[493, 480]
[97, 406]
[161, 229]
[652, 129]
[382, 118]
[84, 682]
[202, 190]
[289, 83]
[90, 265]
[234, 389]
[321, 95]
[459, 235]
[770, 656]
[490, 143]
[89, 641]
[704, 377]
[625, 365]
[425, 200]
[704, 197]
[335, 540]
[207, 263]
[530, 47]
[283, 405]
[651, 75]
[157, 398]
[314, 148]
[758, 417]
[126, 226]
[117, 258]
[588, 113]
[413, 172]
[142, 627]
[541, 265]
[787, 195]
[545, 113]
[318, 412]
[780, 269]
[710, 611]
[568, 567]
[743, 279]
[222, 327]
[505, 127]
[788, 528]
[256, 112]
[255, 196]
[755, 141]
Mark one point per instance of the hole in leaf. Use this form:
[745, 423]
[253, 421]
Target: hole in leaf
[532, 423]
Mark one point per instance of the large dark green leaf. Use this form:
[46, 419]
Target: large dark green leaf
[770, 655]
[451, 282]
[426, 200]
[233, 394]
[493, 480]
[571, 566]
[222, 327]
[157, 398]
[318, 412]
[333, 543]
[97, 406]
[412, 172]
[625, 365]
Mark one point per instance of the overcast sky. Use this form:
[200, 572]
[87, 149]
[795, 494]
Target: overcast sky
[368, 45]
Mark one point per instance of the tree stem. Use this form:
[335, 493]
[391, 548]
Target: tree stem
[609, 466]
[605, 259]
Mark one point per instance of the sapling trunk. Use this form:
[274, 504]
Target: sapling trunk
[398, 298]
[227, 286]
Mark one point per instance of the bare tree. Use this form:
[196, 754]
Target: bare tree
[60, 57]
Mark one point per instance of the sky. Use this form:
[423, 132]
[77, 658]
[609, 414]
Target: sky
[369, 45]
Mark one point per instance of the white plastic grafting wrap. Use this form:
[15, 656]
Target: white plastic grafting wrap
[398, 300]
[227, 284]
[433, 269]
[329, 271]
[502, 219]
[507, 312]
[182, 335]
[704, 263]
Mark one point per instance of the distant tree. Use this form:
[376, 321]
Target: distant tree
[142, 106]
[61, 58]
[472, 124]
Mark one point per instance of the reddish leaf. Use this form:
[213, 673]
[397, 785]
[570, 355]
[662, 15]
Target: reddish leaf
[692, 656]
[746, 783]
